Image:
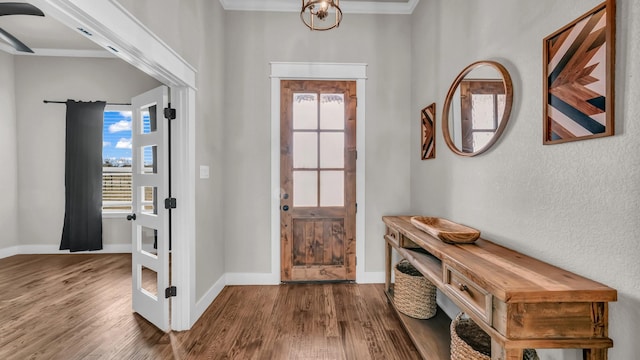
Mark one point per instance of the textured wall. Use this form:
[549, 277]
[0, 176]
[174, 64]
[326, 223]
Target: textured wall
[253, 40]
[574, 205]
[8, 154]
[40, 129]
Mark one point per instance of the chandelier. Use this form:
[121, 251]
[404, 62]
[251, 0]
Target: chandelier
[321, 14]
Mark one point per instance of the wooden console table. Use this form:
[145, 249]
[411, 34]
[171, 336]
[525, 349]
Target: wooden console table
[519, 301]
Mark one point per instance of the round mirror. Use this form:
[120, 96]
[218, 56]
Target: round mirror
[477, 108]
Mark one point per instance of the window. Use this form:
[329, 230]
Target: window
[483, 103]
[116, 160]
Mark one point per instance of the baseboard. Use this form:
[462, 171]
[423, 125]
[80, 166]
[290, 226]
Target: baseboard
[371, 277]
[207, 299]
[54, 249]
[252, 279]
[10, 251]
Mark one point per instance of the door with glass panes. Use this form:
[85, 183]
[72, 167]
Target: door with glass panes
[150, 185]
[317, 180]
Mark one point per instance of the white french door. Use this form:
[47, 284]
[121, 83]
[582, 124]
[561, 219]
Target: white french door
[150, 219]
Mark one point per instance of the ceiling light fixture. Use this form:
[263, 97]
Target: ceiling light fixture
[318, 14]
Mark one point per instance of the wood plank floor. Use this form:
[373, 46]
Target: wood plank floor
[79, 307]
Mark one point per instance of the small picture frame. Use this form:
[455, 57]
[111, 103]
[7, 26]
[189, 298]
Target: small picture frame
[428, 121]
[579, 64]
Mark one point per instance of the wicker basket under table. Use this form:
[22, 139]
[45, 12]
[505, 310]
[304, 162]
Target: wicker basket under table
[470, 342]
[413, 294]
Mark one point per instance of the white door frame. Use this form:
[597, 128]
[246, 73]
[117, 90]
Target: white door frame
[113, 27]
[317, 71]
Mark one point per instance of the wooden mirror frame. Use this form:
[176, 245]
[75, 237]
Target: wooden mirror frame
[508, 88]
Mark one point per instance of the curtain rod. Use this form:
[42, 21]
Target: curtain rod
[64, 102]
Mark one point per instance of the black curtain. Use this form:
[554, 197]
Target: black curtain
[83, 177]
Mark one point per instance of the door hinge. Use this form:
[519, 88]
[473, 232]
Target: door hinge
[169, 113]
[170, 203]
[356, 261]
[356, 154]
[356, 207]
[170, 292]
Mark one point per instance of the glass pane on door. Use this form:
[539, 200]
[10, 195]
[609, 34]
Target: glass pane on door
[149, 282]
[332, 188]
[149, 120]
[148, 241]
[332, 111]
[305, 150]
[332, 150]
[305, 188]
[148, 157]
[305, 111]
[148, 201]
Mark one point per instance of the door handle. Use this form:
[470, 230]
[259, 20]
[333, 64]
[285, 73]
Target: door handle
[285, 208]
[131, 217]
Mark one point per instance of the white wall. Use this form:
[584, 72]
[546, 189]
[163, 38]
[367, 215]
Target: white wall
[195, 29]
[41, 135]
[574, 205]
[8, 155]
[253, 40]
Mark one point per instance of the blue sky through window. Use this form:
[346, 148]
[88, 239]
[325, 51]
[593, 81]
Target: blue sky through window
[116, 139]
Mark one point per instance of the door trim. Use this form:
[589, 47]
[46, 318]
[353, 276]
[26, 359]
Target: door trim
[317, 71]
[112, 25]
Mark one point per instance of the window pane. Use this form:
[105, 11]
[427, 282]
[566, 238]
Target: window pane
[148, 200]
[305, 111]
[305, 188]
[305, 150]
[149, 155]
[116, 189]
[149, 282]
[480, 139]
[116, 161]
[116, 139]
[332, 111]
[332, 188]
[148, 238]
[332, 150]
[149, 120]
[482, 112]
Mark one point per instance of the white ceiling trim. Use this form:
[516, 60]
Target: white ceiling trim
[348, 7]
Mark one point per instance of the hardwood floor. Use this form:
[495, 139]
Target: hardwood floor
[79, 307]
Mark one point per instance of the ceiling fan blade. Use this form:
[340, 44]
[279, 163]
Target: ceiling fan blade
[17, 44]
[16, 8]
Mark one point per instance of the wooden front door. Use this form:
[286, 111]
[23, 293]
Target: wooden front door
[317, 180]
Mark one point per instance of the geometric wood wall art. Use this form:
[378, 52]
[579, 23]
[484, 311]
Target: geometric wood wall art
[428, 117]
[579, 63]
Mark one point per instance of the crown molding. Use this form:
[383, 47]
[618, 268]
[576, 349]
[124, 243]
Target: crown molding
[348, 7]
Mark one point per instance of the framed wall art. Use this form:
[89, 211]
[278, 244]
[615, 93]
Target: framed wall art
[579, 66]
[428, 120]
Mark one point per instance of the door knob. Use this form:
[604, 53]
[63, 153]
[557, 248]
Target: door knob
[285, 208]
[131, 217]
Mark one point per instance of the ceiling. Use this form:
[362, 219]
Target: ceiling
[48, 37]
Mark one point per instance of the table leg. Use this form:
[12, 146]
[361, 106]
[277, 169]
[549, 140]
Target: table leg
[594, 354]
[500, 353]
[387, 266]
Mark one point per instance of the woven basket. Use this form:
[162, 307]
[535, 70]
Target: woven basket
[413, 294]
[470, 342]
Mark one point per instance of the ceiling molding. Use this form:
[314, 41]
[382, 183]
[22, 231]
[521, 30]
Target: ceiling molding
[348, 7]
